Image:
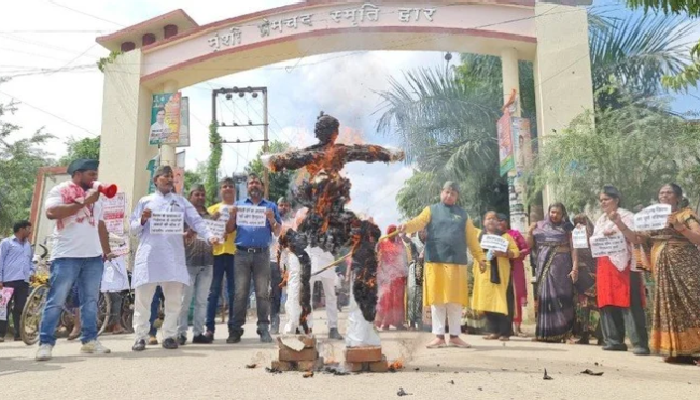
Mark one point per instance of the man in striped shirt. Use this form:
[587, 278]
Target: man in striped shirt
[15, 268]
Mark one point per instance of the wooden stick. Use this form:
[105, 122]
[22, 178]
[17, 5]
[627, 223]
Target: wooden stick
[345, 257]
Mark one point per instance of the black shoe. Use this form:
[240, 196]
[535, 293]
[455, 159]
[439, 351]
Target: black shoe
[170, 344]
[640, 351]
[334, 334]
[274, 330]
[201, 339]
[615, 347]
[182, 339]
[140, 345]
[265, 336]
[233, 337]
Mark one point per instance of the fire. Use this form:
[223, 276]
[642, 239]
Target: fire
[396, 365]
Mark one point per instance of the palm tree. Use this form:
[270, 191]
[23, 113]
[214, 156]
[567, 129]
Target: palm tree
[446, 120]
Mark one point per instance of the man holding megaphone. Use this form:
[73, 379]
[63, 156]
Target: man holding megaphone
[81, 243]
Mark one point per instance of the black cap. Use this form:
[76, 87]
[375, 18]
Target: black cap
[164, 170]
[83, 164]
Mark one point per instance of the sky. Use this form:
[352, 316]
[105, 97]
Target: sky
[50, 34]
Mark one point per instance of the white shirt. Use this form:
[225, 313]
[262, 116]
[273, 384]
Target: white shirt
[319, 260]
[76, 236]
[161, 258]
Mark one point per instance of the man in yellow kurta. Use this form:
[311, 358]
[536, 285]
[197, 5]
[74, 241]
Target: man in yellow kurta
[449, 233]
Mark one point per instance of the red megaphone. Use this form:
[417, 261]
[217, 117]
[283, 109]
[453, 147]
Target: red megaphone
[108, 190]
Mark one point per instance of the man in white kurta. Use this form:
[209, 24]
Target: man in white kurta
[160, 258]
[329, 280]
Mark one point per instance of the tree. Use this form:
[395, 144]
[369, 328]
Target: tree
[196, 177]
[212, 181]
[279, 181]
[690, 74]
[83, 148]
[19, 162]
[635, 148]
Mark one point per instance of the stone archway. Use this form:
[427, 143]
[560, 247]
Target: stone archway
[172, 51]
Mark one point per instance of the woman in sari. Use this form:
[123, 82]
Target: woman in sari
[675, 263]
[587, 315]
[619, 284]
[493, 292]
[557, 270]
[518, 273]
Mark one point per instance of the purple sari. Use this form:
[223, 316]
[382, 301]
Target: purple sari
[554, 292]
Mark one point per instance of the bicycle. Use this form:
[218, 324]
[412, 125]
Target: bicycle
[30, 322]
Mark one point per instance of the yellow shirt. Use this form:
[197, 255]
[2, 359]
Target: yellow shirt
[229, 245]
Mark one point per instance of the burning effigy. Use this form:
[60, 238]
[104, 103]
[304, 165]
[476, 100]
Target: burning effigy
[327, 224]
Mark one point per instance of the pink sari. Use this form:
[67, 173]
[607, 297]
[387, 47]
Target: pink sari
[519, 280]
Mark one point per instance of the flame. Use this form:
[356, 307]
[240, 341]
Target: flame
[397, 365]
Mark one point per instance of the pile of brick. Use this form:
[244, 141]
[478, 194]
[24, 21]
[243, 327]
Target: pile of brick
[366, 359]
[301, 359]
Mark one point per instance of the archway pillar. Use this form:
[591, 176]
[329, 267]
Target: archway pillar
[562, 68]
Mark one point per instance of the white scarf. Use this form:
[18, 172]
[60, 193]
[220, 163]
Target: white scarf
[620, 260]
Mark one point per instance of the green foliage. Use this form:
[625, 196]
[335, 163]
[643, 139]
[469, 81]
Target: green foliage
[690, 7]
[83, 148]
[279, 181]
[212, 181]
[103, 61]
[635, 148]
[196, 177]
[20, 160]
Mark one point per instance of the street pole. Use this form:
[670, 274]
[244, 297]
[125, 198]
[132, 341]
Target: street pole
[266, 147]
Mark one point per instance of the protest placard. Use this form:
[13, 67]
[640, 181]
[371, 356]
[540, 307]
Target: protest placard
[494, 242]
[580, 238]
[113, 213]
[217, 228]
[652, 218]
[251, 216]
[602, 246]
[167, 223]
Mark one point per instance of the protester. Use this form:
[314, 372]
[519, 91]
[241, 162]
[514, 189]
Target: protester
[557, 270]
[15, 269]
[620, 289]
[160, 258]
[414, 311]
[675, 263]
[81, 242]
[449, 233]
[285, 211]
[493, 289]
[292, 281]
[200, 263]
[156, 319]
[253, 260]
[391, 278]
[587, 321]
[518, 280]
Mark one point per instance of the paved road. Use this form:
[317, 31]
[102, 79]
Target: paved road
[488, 371]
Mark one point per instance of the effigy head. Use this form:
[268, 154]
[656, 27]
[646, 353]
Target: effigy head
[326, 129]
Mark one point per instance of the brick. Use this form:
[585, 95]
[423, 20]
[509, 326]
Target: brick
[355, 367]
[363, 354]
[287, 354]
[309, 341]
[282, 366]
[379, 366]
[306, 365]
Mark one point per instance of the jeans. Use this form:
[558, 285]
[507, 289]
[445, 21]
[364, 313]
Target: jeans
[257, 266]
[18, 300]
[223, 265]
[275, 294]
[154, 310]
[115, 312]
[87, 272]
[200, 283]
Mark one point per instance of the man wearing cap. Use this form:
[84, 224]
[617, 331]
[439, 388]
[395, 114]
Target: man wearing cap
[81, 242]
[158, 221]
[449, 233]
[257, 220]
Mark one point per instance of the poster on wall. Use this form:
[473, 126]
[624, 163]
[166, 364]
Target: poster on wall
[165, 119]
[505, 143]
[184, 139]
[522, 141]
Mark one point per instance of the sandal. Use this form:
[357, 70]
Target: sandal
[461, 344]
[436, 344]
[73, 336]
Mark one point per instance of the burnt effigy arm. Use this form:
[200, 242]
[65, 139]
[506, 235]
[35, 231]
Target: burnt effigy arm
[373, 153]
[291, 160]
